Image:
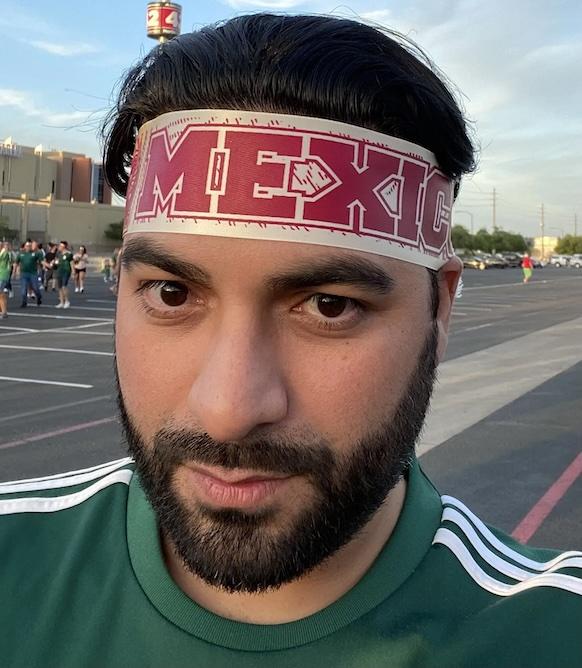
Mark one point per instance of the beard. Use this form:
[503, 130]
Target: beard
[253, 552]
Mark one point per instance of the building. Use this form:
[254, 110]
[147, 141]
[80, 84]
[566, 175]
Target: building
[543, 247]
[51, 194]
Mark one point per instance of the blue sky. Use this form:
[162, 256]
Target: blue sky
[516, 64]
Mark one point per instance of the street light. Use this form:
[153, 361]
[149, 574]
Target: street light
[468, 214]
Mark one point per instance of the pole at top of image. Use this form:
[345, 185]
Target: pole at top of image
[163, 20]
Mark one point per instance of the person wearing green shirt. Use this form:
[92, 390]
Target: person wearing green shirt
[6, 262]
[286, 285]
[63, 269]
[29, 261]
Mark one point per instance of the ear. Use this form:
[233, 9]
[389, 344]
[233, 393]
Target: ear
[448, 281]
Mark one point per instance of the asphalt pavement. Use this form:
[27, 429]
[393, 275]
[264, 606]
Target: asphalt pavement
[505, 433]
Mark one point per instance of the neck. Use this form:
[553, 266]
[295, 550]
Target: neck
[308, 595]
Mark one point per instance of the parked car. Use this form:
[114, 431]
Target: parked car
[560, 260]
[537, 264]
[491, 261]
[512, 259]
[576, 260]
[472, 262]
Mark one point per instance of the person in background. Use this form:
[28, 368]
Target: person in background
[5, 272]
[63, 265]
[80, 260]
[49, 267]
[28, 261]
[106, 269]
[527, 267]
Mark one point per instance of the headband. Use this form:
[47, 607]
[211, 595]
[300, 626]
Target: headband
[289, 178]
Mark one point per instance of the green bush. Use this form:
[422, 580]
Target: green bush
[114, 231]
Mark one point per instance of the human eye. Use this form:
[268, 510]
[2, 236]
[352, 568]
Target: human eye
[332, 312]
[166, 299]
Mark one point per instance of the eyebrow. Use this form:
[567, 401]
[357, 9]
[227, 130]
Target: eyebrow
[335, 270]
[144, 251]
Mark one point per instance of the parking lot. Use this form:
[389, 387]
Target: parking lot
[504, 435]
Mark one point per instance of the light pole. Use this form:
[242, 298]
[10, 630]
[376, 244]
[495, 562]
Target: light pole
[163, 20]
[468, 214]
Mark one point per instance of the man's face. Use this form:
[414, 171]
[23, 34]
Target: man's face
[271, 394]
[27, 247]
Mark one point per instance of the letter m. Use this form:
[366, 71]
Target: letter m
[175, 176]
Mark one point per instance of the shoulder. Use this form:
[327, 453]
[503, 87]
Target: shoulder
[498, 564]
[24, 502]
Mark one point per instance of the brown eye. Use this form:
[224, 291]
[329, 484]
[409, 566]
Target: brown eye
[331, 306]
[173, 294]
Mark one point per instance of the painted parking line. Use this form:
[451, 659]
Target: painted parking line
[46, 382]
[58, 350]
[536, 516]
[52, 409]
[18, 329]
[88, 326]
[58, 317]
[92, 308]
[57, 432]
[101, 301]
[471, 329]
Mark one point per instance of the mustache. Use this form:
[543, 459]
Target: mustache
[290, 455]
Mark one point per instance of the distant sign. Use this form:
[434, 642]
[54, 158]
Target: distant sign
[163, 19]
[11, 150]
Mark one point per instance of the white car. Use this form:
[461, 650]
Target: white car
[560, 260]
[576, 260]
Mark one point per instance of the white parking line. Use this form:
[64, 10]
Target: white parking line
[58, 350]
[471, 329]
[101, 301]
[92, 308]
[74, 327]
[46, 382]
[52, 409]
[58, 317]
[18, 329]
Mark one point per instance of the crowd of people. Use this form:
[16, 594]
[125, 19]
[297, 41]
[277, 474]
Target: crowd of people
[41, 270]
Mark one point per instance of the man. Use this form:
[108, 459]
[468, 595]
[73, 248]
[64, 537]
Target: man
[28, 261]
[5, 272]
[286, 286]
[63, 269]
[527, 268]
[49, 266]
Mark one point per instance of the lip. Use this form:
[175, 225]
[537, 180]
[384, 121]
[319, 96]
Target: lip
[234, 489]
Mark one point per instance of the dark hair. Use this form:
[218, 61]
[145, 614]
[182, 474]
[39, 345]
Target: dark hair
[305, 65]
[65, 243]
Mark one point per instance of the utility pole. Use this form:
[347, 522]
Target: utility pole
[575, 224]
[494, 210]
[542, 227]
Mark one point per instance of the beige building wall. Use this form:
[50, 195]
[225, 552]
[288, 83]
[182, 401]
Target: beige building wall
[544, 249]
[30, 172]
[81, 222]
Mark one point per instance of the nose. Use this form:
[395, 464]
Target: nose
[239, 385]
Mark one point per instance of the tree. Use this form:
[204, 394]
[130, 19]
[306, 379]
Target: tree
[462, 238]
[114, 231]
[569, 245]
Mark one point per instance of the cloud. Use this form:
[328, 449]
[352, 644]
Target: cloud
[25, 103]
[65, 49]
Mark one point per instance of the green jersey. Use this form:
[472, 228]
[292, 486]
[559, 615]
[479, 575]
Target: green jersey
[83, 583]
[29, 261]
[63, 262]
[5, 264]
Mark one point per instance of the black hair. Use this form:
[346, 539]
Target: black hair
[316, 66]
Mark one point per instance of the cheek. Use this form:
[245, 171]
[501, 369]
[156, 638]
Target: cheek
[346, 389]
[148, 367]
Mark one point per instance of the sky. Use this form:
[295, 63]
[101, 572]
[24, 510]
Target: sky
[516, 67]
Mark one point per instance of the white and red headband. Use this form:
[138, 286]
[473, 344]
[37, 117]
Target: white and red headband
[289, 178]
